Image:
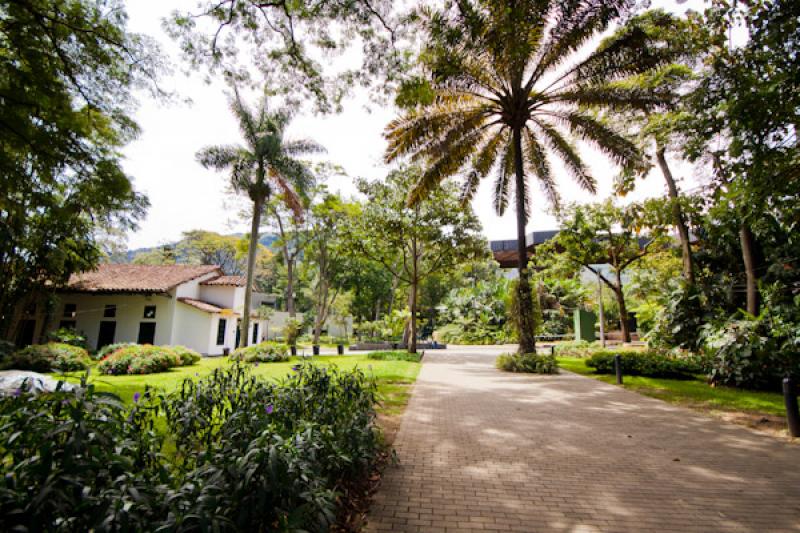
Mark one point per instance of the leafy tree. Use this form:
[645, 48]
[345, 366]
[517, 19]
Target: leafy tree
[287, 38]
[603, 233]
[209, 248]
[744, 117]
[162, 255]
[412, 243]
[266, 166]
[325, 254]
[660, 131]
[66, 75]
[293, 236]
[503, 90]
[369, 284]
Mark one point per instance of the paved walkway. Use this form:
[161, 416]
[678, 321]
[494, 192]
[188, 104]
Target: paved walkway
[481, 450]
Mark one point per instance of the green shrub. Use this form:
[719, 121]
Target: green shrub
[265, 352]
[575, 348]
[187, 355]
[68, 336]
[249, 454]
[747, 353]
[395, 355]
[97, 462]
[529, 362]
[650, 363]
[111, 348]
[6, 349]
[49, 357]
[139, 359]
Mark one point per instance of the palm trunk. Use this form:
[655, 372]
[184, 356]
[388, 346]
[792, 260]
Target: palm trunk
[526, 328]
[258, 205]
[746, 240]
[680, 221]
[623, 309]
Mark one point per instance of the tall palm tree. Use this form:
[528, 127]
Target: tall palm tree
[503, 90]
[264, 166]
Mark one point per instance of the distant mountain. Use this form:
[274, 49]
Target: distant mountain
[267, 240]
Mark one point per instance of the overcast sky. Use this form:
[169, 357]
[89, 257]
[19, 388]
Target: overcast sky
[185, 196]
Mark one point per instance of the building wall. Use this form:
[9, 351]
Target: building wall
[192, 289]
[219, 295]
[193, 329]
[130, 313]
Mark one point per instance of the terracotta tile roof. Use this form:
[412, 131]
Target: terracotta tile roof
[235, 281]
[137, 278]
[203, 306]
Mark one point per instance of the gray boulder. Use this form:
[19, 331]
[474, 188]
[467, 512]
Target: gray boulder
[12, 381]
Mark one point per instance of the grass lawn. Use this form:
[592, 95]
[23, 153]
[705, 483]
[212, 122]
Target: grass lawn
[694, 393]
[394, 377]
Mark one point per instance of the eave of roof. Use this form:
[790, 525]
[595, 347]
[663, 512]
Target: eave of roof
[206, 307]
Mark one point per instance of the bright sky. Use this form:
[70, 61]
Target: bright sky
[185, 196]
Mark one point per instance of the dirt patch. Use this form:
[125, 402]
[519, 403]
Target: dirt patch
[774, 425]
[390, 425]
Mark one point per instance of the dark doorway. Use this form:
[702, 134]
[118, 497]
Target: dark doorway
[238, 334]
[147, 333]
[26, 331]
[255, 333]
[106, 334]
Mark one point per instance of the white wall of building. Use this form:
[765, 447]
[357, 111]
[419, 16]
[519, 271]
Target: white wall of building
[129, 314]
[193, 328]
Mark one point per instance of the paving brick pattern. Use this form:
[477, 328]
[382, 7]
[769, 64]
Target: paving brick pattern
[481, 450]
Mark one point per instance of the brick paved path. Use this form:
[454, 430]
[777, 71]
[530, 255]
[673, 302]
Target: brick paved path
[481, 450]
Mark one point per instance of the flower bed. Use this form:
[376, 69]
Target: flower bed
[49, 357]
[246, 454]
[146, 359]
[265, 352]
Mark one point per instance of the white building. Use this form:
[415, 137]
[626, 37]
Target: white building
[194, 306]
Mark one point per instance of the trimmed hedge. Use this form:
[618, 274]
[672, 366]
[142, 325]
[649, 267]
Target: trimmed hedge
[187, 355]
[111, 348]
[395, 355]
[530, 363]
[146, 359]
[247, 454]
[265, 352]
[649, 363]
[49, 357]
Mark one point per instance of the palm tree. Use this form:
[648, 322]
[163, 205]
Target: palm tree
[503, 90]
[266, 165]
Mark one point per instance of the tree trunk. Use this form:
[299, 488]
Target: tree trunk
[395, 280]
[526, 328]
[412, 303]
[677, 213]
[746, 240]
[290, 287]
[258, 205]
[623, 309]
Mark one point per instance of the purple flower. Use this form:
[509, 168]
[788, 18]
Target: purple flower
[268, 409]
[296, 368]
[256, 363]
[197, 374]
[136, 397]
[18, 392]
